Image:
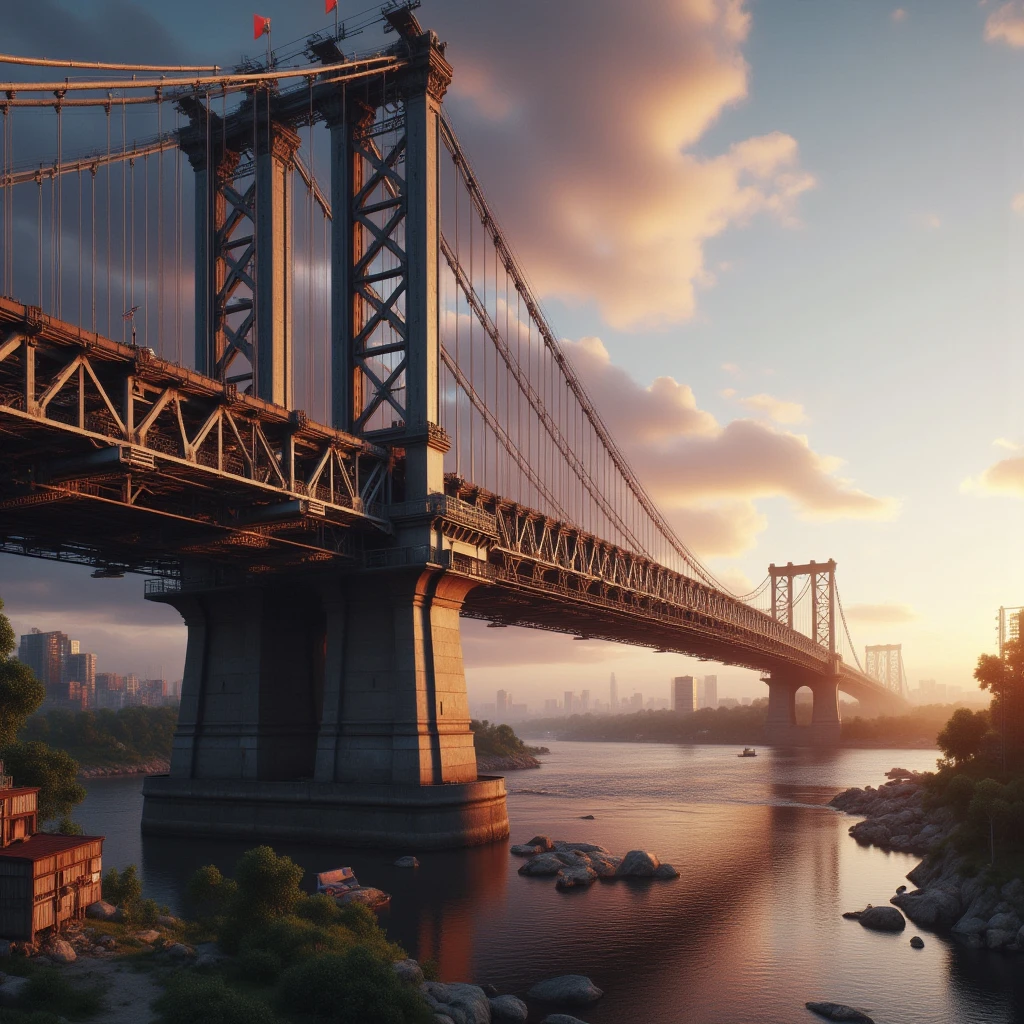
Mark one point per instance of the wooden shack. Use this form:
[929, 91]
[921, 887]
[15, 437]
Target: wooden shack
[45, 880]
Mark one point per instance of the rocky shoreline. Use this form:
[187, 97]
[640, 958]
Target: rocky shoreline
[512, 763]
[158, 766]
[949, 897]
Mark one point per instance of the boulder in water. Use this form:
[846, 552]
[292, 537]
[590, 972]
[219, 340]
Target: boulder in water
[542, 864]
[883, 919]
[543, 842]
[638, 864]
[508, 1010]
[666, 871]
[570, 989]
[917, 942]
[839, 1012]
[407, 862]
[522, 850]
[561, 1018]
[575, 877]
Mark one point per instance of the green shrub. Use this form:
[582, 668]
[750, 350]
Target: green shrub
[146, 913]
[259, 966]
[351, 988]
[122, 887]
[49, 991]
[320, 909]
[210, 892]
[194, 1000]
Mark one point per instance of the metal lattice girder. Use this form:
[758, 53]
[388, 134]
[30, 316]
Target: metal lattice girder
[144, 459]
[823, 598]
[884, 663]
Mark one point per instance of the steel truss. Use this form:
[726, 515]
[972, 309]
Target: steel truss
[194, 467]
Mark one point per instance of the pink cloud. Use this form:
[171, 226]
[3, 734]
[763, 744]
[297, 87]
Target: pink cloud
[1006, 25]
[585, 131]
[707, 477]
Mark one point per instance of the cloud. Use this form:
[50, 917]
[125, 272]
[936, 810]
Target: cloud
[1017, 203]
[1006, 25]
[899, 14]
[776, 409]
[730, 368]
[1002, 442]
[932, 221]
[707, 477]
[880, 614]
[1005, 477]
[598, 169]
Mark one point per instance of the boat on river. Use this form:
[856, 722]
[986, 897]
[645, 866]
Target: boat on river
[748, 752]
[343, 887]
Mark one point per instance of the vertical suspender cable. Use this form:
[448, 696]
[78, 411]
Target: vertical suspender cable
[107, 212]
[160, 229]
[145, 245]
[39, 270]
[79, 244]
[92, 238]
[176, 298]
[59, 182]
[124, 214]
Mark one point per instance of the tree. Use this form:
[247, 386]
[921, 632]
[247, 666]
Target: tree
[960, 738]
[1003, 677]
[988, 811]
[20, 692]
[268, 885]
[55, 772]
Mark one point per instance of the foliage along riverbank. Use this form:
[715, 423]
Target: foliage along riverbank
[967, 818]
[259, 951]
[741, 725]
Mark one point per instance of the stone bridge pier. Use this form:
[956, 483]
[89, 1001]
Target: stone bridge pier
[781, 727]
[326, 708]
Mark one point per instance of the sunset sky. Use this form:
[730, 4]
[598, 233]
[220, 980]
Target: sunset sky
[784, 242]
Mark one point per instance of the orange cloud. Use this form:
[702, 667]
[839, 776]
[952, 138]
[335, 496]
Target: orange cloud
[880, 614]
[1005, 477]
[776, 408]
[1006, 25]
[585, 134]
[707, 477]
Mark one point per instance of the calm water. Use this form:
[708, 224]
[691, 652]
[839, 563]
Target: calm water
[750, 932]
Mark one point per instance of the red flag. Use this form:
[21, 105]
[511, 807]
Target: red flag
[330, 5]
[260, 26]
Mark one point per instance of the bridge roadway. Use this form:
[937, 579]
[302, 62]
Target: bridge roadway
[158, 464]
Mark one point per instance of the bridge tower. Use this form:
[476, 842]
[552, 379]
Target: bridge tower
[781, 727]
[332, 705]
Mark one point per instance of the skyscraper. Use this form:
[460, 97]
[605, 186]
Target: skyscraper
[502, 703]
[570, 702]
[711, 691]
[44, 653]
[584, 701]
[613, 694]
[80, 667]
[684, 694]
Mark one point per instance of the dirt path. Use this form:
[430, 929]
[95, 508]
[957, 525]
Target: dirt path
[129, 993]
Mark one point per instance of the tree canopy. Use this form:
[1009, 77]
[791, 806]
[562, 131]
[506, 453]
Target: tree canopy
[20, 692]
[1004, 679]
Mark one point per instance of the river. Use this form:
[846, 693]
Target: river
[750, 932]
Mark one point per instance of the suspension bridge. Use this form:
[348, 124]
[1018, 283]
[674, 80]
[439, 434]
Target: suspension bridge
[267, 344]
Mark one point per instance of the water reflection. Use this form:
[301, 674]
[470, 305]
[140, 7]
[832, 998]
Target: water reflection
[752, 929]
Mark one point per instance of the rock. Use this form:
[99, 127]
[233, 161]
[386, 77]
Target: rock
[97, 950]
[149, 936]
[561, 1018]
[1005, 922]
[575, 877]
[997, 938]
[638, 864]
[917, 942]
[579, 847]
[180, 951]
[969, 926]
[367, 895]
[571, 989]
[206, 960]
[107, 942]
[101, 911]
[1013, 892]
[508, 1010]
[166, 921]
[666, 871]
[606, 867]
[407, 862]
[545, 844]
[471, 1000]
[900, 889]
[437, 991]
[522, 850]
[42, 961]
[840, 1012]
[12, 990]
[586, 817]
[442, 1018]
[936, 907]
[409, 971]
[490, 991]
[883, 919]
[61, 951]
[543, 864]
